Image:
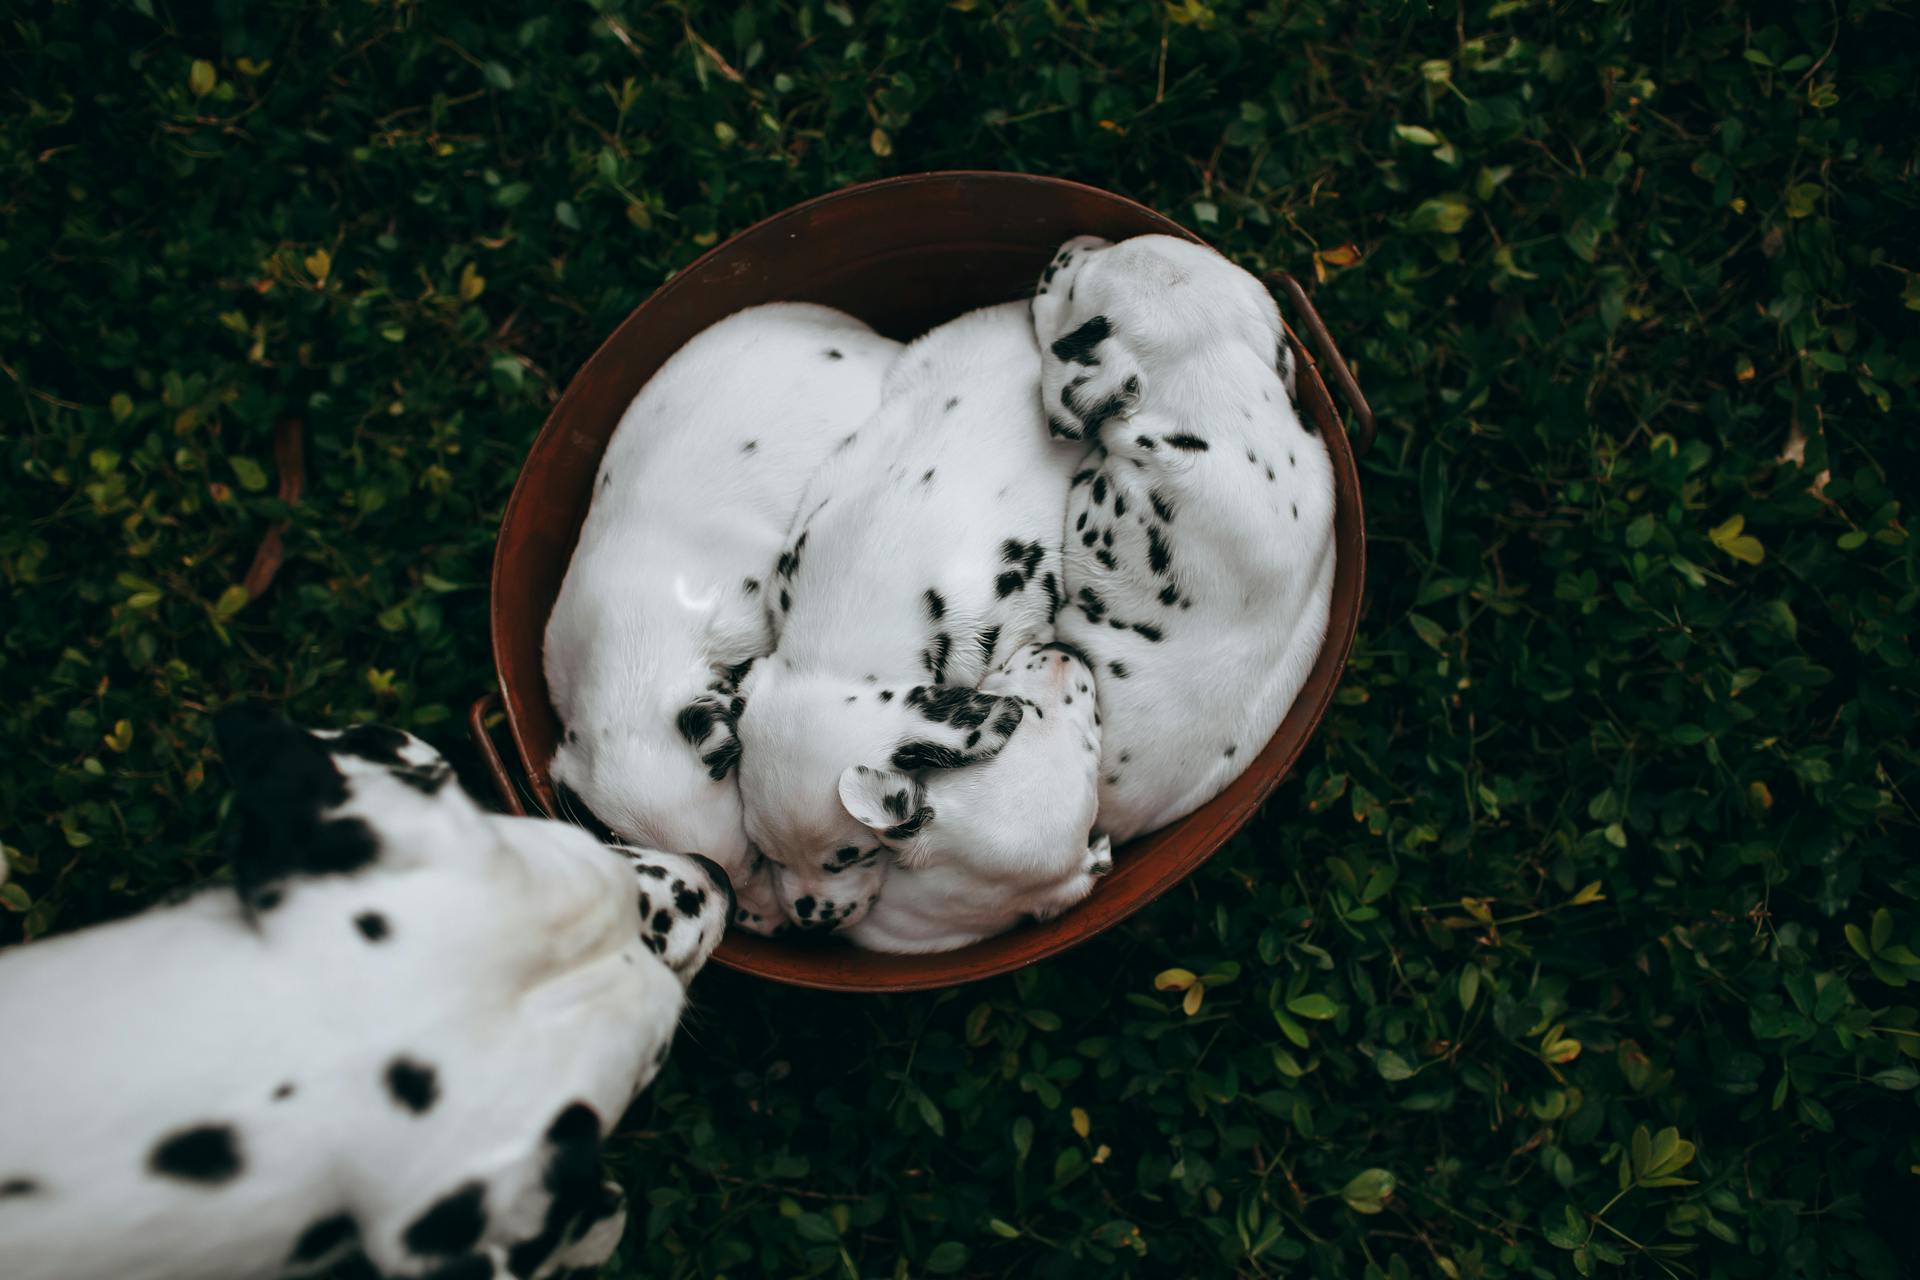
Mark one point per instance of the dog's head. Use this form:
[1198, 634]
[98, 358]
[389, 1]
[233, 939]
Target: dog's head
[808, 745]
[377, 812]
[1113, 318]
[1033, 796]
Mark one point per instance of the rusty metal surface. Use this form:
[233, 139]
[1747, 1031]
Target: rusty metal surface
[903, 254]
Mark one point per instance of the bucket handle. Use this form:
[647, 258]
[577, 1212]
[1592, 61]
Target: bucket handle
[1330, 360]
[484, 706]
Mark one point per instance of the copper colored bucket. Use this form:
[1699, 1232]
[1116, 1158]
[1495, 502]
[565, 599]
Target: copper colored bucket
[903, 254]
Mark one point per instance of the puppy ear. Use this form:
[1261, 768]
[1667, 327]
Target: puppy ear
[285, 783]
[891, 805]
[707, 725]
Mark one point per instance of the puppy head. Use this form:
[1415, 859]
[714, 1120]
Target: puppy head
[1112, 318]
[797, 733]
[663, 779]
[685, 901]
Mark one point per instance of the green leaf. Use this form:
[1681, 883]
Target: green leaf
[1392, 1066]
[1368, 1191]
[1313, 1005]
[947, 1257]
[1428, 630]
[1882, 929]
[249, 473]
[1444, 215]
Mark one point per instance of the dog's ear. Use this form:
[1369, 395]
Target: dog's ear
[707, 725]
[891, 805]
[285, 782]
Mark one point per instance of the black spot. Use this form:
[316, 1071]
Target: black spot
[18, 1187]
[1270, 473]
[372, 925]
[414, 1085]
[1009, 721]
[953, 404]
[1090, 537]
[1251, 458]
[606, 482]
[886, 695]
[1191, 444]
[1119, 504]
[722, 759]
[1052, 589]
[1119, 669]
[789, 562]
[973, 740]
[323, 1237]
[803, 907]
[573, 1177]
[909, 828]
[1296, 510]
[266, 899]
[453, 1224]
[695, 721]
[662, 922]
[284, 1092]
[1092, 605]
[749, 446]
[206, 1153]
[1081, 523]
[1106, 537]
[1078, 346]
[1099, 490]
[1105, 557]
[833, 353]
[936, 605]
[1145, 442]
[1148, 630]
[927, 477]
[688, 902]
[934, 656]
[1169, 595]
[1159, 555]
[1290, 461]
[843, 856]
[285, 780]
[1081, 477]
[1229, 752]
[987, 639]
[751, 586]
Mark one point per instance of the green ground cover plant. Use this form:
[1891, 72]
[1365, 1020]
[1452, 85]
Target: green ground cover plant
[1584, 939]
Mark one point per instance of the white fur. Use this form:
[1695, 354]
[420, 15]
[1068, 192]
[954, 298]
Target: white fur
[513, 962]
[1193, 353]
[953, 468]
[692, 501]
[1000, 841]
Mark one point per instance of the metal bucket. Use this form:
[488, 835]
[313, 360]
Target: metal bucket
[903, 255]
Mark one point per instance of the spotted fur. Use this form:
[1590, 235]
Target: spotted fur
[683, 550]
[981, 847]
[905, 586]
[412, 1053]
[1207, 578]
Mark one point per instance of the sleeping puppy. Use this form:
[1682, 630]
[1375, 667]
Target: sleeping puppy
[403, 1031]
[662, 604]
[1199, 535]
[925, 553]
[995, 843]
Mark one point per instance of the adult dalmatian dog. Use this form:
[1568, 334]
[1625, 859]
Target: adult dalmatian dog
[925, 552]
[999, 842]
[1199, 535]
[403, 1031]
[663, 603]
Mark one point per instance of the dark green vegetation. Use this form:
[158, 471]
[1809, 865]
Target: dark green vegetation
[1585, 938]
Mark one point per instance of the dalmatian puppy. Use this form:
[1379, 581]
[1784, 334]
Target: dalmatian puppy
[995, 843]
[925, 553]
[1199, 535]
[403, 1031]
[662, 605]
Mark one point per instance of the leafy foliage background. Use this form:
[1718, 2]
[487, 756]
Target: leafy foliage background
[1584, 939]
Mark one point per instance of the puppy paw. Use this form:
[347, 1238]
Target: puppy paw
[707, 725]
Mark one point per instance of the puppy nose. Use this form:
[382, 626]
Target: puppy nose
[717, 874]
